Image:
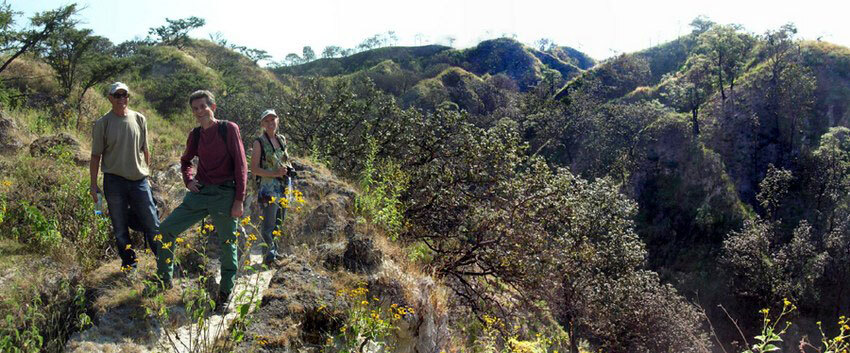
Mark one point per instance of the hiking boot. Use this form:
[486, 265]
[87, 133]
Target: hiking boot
[221, 302]
[271, 259]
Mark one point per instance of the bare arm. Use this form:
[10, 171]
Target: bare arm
[147, 158]
[94, 168]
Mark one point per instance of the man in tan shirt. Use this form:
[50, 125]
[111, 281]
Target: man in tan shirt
[120, 148]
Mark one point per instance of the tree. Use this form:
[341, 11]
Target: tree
[99, 67]
[7, 24]
[788, 89]
[255, 55]
[176, 32]
[379, 40]
[727, 49]
[307, 54]
[218, 38]
[701, 24]
[545, 44]
[331, 51]
[689, 90]
[81, 61]
[292, 59]
[66, 53]
[43, 26]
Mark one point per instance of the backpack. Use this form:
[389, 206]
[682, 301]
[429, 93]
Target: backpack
[263, 151]
[222, 131]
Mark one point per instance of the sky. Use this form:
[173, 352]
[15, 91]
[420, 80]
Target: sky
[600, 28]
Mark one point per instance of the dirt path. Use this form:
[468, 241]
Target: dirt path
[120, 330]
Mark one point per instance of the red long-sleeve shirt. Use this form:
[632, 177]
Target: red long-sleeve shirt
[219, 160]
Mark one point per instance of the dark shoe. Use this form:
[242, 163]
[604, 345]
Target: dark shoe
[271, 259]
[221, 302]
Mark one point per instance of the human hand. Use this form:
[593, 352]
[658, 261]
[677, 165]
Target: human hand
[193, 186]
[93, 191]
[236, 211]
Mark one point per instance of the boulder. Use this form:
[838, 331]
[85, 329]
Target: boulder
[360, 255]
[56, 146]
[9, 141]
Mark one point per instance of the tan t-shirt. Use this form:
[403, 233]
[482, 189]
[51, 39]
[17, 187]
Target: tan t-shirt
[121, 142]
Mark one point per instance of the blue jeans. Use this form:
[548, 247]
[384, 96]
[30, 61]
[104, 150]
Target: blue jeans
[269, 211]
[125, 199]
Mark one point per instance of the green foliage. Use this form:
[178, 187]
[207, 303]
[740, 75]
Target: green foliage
[44, 25]
[171, 76]
[772, 330]
[382, 183]
[176, 32]
[47, 204]
[365, 322]
[26, 339]
[44, 322]
[728, 50]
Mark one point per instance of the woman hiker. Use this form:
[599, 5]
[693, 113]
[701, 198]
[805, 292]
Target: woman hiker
[270, 164]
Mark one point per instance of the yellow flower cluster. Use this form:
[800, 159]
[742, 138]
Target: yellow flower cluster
[492, 321]
[353, 293]
[284, 201]
[246, 221]
[206, 229]
[399, 312]
[7, 183]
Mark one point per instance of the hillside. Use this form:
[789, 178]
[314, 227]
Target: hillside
[499, 66]
[516, 200]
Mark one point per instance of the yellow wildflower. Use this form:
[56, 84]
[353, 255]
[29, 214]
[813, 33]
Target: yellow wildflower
[166, 245]
[157, 237]
[128, 247]
[7, 183]
[168, 260]
[246, 220]
[179, 240]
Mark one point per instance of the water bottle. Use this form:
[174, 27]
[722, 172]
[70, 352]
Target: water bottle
[98, 208]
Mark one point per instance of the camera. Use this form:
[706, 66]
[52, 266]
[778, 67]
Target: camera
[290, 172]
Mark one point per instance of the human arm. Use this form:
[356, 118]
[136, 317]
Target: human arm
[187, 169]
[240, 168]
[97, 148]
[94, 168]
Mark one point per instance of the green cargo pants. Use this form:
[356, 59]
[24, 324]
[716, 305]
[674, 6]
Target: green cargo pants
[212, 200]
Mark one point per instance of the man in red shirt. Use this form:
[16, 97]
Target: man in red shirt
[216, 188]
